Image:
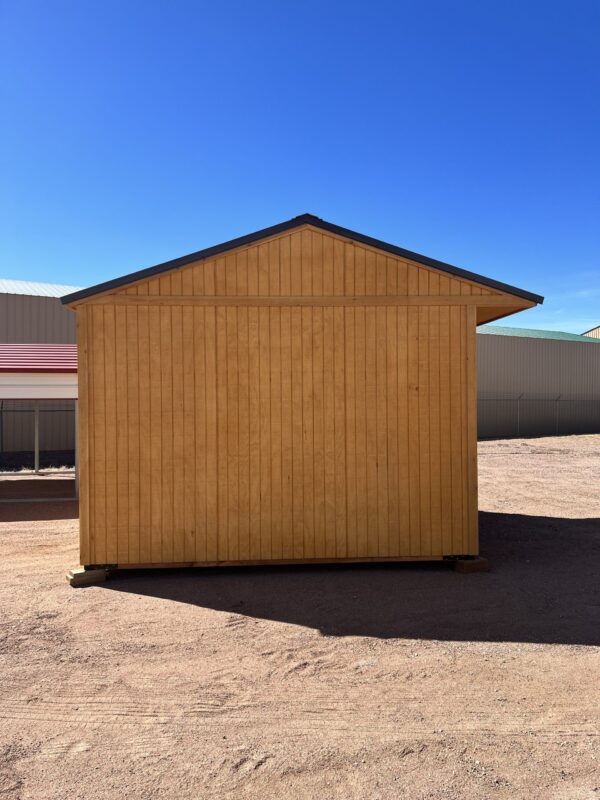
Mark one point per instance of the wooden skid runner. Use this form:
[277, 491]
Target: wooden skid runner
[279, 562]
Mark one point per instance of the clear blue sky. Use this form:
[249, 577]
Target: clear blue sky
[135, 132]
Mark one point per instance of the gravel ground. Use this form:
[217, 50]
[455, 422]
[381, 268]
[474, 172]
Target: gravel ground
[346, 682]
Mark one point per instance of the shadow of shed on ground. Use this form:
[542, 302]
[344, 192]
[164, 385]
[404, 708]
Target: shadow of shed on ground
[544, 587]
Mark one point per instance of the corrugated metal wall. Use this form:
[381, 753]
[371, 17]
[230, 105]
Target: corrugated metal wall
[40, 320]
[536, 387]
[57, 425]
[37, 320]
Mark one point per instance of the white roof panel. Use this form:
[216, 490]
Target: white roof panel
[35, 289]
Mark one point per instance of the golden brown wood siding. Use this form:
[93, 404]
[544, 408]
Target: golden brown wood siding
[295, 264]
[277, 433]
[84, 439]
[224, 433]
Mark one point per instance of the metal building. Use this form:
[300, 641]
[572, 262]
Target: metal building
[536, 383]
[593, 332]
[31, 313]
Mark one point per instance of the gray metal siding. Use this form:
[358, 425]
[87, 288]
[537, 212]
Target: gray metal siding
[35, 320]
[57, 425]
[536, 387]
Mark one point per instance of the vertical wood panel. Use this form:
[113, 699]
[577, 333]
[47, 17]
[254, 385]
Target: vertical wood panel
[178, 461]
[110, 423]
[287, 422]
[232, 443]
[403, 435]
[329, 430]
[317, 263]
[445, 433]
[319, 431]
[371, 426]
[166, 431]
[97, 434]
[434, 431]
[360, 374]
[308, 488]
[212, 442]
[414, 492]
[381, 422]
[339, 433]
[306, 265]
[254, 432]
[285, 274]
[359, 272]
[222, 433]
[456, 429]
[132, 432]
[276, 458]
[297, 449]
[392, 426]
[338, 267]
[191, 485]
[155, 397]
[199, 467]
[473, 541]
[424, 439]
[265, 432]
[84, 463]
[244, 435]
[350, 432]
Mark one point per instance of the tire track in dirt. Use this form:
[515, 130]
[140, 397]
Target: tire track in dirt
[303, 713]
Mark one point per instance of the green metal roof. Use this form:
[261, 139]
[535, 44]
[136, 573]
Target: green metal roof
[529, 333]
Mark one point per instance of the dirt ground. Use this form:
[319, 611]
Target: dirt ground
[334, 682]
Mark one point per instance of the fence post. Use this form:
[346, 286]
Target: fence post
[36, 435]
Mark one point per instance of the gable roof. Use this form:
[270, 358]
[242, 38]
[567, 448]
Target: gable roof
[296, 222]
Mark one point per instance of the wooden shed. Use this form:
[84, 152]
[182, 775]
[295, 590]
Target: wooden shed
[301, 394]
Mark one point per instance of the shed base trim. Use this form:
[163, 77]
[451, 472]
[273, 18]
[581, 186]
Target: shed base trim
[273, 562]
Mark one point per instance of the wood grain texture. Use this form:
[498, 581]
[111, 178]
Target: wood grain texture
[217, 432]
